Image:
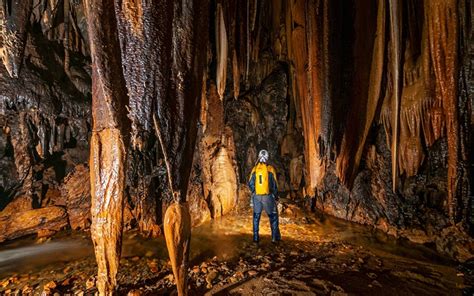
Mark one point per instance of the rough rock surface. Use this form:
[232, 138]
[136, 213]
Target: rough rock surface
[48, 219]
[77, 193]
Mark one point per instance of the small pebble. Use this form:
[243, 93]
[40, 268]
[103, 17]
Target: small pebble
[252, 272]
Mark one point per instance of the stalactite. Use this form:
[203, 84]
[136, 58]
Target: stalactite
[412, 114]
[465, 87]
[241, 38]
[395, 51]
[222, 51]
[298, 55]
[420, 115]
[432, 120]
[247, 42]
[304, 33]
[146, 69]
[369, 54]
[235, 74]
[328, 80]
[253, 13]
[317, 30]
[176, 123]
[14, 19]
[314, 30]
[443, 28]
[190, 35]
[108, 142]
[66, 40]
[276, 8]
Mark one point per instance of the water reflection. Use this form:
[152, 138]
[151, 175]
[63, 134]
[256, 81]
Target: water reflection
[224, 238]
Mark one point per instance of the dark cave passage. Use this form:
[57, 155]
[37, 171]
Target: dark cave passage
[132, 122]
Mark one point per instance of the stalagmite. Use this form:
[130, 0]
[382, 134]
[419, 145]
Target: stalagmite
[443, 28]
[14, 18]
[296, 172]
[224, 187]
[222, 51]
[177, 227]
[108, 142]
[395, 12]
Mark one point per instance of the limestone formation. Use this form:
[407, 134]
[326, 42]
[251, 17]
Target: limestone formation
[18, 224]
[177, 228]
[108, 142]
[364, 106]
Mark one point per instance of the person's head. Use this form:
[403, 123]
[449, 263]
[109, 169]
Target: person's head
[263, 156]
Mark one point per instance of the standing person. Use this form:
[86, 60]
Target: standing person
[264, 187]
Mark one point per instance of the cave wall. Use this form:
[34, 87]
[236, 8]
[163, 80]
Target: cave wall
[368, 117]
[364, 106]
[45, 113]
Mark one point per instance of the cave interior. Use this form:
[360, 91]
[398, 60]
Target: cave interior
[143, 117]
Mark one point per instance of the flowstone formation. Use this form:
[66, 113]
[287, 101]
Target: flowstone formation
[364, 106]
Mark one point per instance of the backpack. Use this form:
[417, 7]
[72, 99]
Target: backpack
[262, 186]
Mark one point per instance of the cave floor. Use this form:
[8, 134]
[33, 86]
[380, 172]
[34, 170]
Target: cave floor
[319, 255]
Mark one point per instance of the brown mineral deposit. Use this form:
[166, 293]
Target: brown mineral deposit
[32, 221]
[177, 226]
[108, 142]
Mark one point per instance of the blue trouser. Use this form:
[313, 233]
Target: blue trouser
[268, 203]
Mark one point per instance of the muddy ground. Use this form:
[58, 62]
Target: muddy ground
[319, 255]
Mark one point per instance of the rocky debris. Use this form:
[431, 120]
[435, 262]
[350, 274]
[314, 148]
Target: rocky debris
[49, 287]
[19, 204]
[90, 283]
[302, 263]
[135, 293]
[456, 243]
[46, 220]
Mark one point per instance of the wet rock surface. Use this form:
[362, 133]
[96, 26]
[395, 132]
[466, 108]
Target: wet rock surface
[44, 222]
[318, 256]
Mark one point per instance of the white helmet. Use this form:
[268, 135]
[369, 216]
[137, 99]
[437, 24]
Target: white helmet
[263, 155]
